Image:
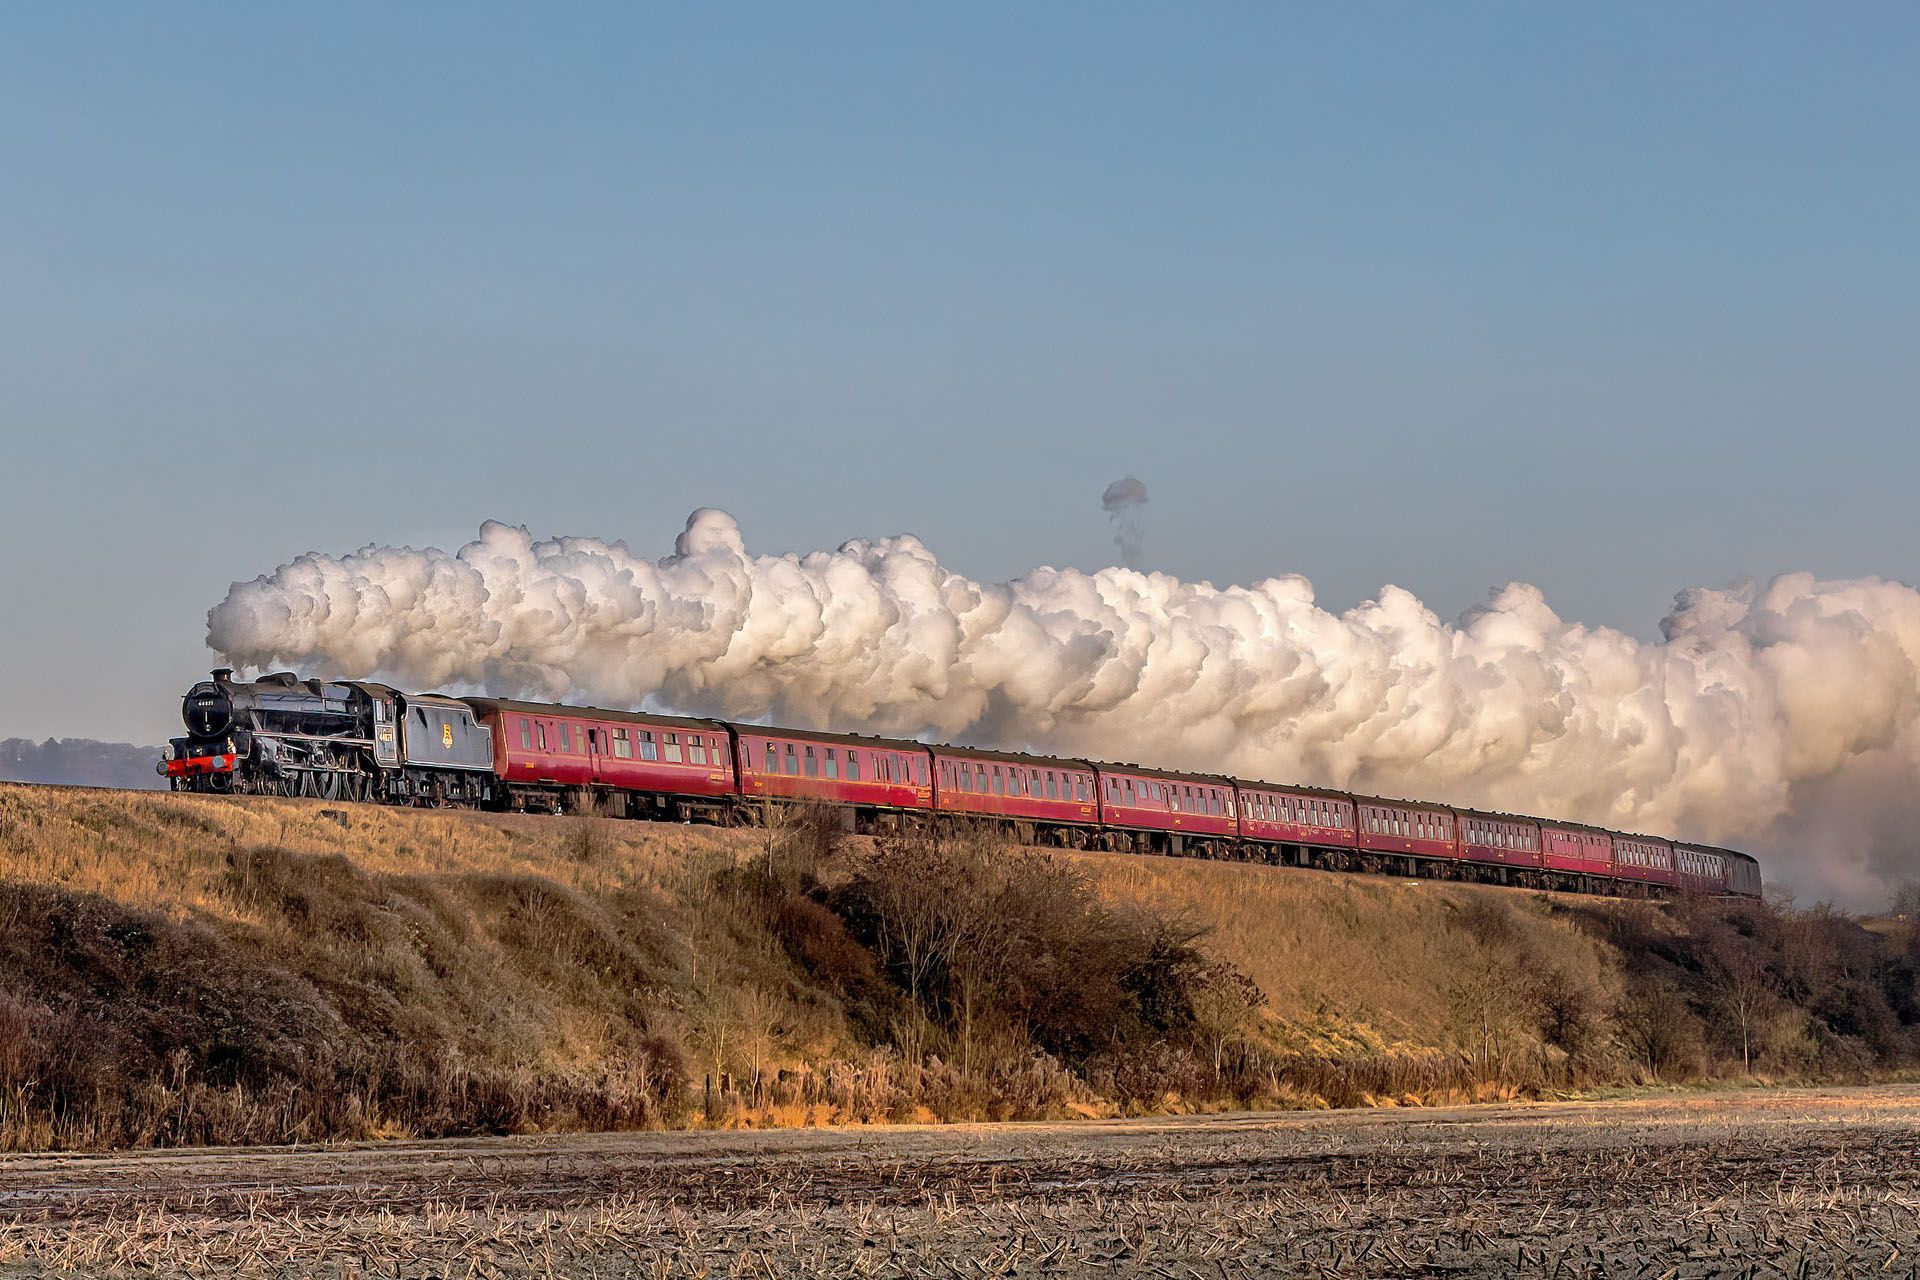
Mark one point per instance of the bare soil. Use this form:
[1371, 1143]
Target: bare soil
[1758, 1183]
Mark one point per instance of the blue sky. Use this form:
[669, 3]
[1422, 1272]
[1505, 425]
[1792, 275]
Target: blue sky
[1614, 300]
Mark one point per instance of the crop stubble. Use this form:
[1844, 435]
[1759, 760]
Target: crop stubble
[1778, 1183]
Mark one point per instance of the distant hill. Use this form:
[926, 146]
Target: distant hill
[80, 762]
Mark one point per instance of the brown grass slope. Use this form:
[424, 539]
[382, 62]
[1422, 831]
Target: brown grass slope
[180, 969]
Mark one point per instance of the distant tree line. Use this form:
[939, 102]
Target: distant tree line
[80, 762]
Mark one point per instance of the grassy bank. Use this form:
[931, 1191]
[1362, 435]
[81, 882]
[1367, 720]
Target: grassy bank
[188, 970]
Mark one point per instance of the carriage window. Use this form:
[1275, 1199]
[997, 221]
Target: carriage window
[813, 764]
[526, 732]
[696, 750]
[649, 749]
[622, 747]
[540, 732]
[833, 763]
[566, 739]
[670, 746]
[773, 758]
[793, 759]
[853, 766]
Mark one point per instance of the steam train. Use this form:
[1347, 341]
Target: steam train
[354, 740]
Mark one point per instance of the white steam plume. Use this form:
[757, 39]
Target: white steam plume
[1786, 717]
[1125, 503]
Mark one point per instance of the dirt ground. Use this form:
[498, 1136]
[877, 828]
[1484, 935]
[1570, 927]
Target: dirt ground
[1778, 1183]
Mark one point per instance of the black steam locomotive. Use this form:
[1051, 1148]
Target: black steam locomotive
[336, 740]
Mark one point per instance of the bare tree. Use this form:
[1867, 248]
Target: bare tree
[1226, 1003]
[1656, 1026]
[1741, 985]
[757, 1023]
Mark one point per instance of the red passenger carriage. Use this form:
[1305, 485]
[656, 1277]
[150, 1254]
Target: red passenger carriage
[1642, 860]
[1700, 868]
[1498, 839]
[1038, 793]
[1414, 831]
[1169, 812]
[1575, 850]
[874, 775]
[639, 764]
[1300, 819]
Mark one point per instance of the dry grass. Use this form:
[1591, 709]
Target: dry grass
[1354, 966]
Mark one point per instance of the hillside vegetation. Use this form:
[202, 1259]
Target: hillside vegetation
[179, 969]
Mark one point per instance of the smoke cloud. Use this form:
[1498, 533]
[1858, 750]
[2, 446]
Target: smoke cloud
[1783, 718]
[1125, 503]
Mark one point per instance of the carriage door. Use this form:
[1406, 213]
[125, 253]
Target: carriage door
[386, 746]
[593, 753]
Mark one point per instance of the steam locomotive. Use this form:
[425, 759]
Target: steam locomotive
[353, 740]
[341, 740]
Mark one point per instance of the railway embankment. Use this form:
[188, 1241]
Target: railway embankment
[192, 970]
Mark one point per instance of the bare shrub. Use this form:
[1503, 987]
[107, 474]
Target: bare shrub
[1006, 951]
